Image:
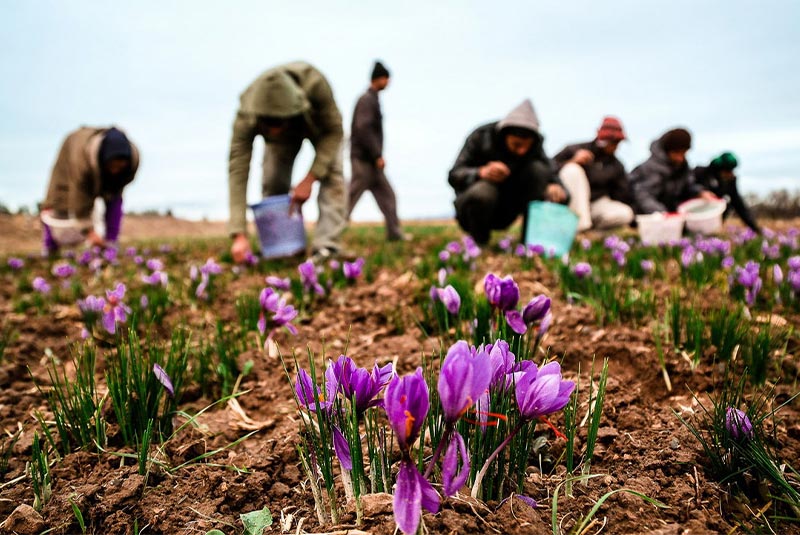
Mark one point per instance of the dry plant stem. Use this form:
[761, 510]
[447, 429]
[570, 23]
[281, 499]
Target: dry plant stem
[322, 515]
[347, 483]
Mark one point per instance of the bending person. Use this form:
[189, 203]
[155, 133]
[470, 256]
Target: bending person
[500, 169]
[596, 179]
[92, 163]
[286, 105]
[718, 177]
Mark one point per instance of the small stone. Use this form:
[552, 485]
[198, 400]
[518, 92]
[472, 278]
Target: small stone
[280, 489]
[24, 520]
[674, 444]
[376, 504]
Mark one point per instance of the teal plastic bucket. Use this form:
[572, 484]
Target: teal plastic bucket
[552, 226]
[280, 234]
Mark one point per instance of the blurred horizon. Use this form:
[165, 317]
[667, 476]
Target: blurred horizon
[170, 75]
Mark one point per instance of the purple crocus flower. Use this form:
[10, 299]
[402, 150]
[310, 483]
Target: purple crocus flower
[130, 251]
[407, 402]
[163, 378]
[541, 391]
[15, 263]
[278, 283]
[211, 267]
[308, 276]
[342, 449]
[41, 285]
[728, 262]
[157, 278]
[647, 265]
[352, 270]
[505, 244]
[586, 244]
[465, 375]
[63, 270]
[515, 321]
[282, 314]
[582, 270]
[536, 309]
[794, 263]
[777, 274]
[154, 264]
[360, 383]
[144, 302]
[115, 310]
[452, 478]
[138, 260]
[450, 298]
[334, 265]
[92, 304]
[544, 326]
[308, 394]
[444, 255]
[520, 250]
[738, 424]
[502, 294]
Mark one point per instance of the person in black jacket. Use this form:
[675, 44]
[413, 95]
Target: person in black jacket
[718, 177]
[596, 179]
[665, 180]
[366, 154]
[500, 169]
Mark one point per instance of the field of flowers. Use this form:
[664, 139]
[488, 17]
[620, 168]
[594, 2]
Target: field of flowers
[429, 386]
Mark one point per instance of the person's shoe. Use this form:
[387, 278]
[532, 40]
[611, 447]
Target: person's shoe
[324, 254]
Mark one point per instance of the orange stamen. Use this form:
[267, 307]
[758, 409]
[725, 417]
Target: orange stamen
[409, 423]
[558, 433]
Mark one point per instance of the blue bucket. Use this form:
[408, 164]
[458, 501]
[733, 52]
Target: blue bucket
[280, 234]
[553, 226]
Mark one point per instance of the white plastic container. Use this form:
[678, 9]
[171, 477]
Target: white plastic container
[280, 233]
[703, 216]
[656, 229]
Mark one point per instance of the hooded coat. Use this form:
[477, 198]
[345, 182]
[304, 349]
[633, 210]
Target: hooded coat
[487, 143]
[709, 178]
[77, 178]
[294, 91]
[659, 186]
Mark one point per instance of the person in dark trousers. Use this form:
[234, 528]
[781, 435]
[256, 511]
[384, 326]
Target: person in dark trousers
[718, 177]
[94, 162]
[366, 154]
[596, 179]
[500, 169]
[665, 180]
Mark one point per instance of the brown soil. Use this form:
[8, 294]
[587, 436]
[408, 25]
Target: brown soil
[642, 444]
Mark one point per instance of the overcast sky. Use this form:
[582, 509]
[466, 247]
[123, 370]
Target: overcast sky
[170, 74]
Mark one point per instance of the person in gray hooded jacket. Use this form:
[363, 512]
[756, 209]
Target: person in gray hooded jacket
[665, 180]
[500, 169]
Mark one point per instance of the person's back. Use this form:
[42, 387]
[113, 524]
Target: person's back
[719, 178]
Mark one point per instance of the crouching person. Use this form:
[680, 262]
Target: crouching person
[718, 177]
[596, 179]
[664, 180]
[501, 168]
[92, 163]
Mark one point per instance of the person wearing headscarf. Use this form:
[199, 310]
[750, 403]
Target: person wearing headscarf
[92, 163]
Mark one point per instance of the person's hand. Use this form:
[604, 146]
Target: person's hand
[94, 239]
[555, 193]
[302, 192]
[708, 196]
[380, 163]
[582, 157]
[240, 250]
[494, 172]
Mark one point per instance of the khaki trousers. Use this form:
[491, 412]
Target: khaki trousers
[603, 213]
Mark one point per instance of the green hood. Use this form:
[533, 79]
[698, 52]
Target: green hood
[275, 94]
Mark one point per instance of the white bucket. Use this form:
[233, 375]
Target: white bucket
[655, 229]
[703, 216]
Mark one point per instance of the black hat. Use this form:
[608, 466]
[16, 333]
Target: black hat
[379, 71]
[114, 145]
[676, 139]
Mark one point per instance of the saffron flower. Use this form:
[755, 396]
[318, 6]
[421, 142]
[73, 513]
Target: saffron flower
[41, 285]
[582, 270]
[309, 395]
[352, 270]
[342, 449]
[465, 375]
[359, 383]
[154, 264]
[156, 278]
[278, 283]
[163, 378]
[515, 321]
[15, 263]
[541, 391]
[63, 270]
[308, 276]
[502, 294]
[282, 314]
[115, 311]
[536, 309]
[647, 265]
[738, 424]
[450, 298]
[407, 403]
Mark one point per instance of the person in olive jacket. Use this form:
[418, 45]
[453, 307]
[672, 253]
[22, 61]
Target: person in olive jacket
[94, 162]
[665, 180]
[718, 177]
[366, 154]
[500, 169]
[596, 179]
[286, 105]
